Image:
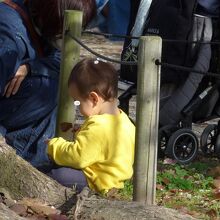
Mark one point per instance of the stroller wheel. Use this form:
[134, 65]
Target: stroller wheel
[163, 137]
[208, 140]
[217, 146]
[182, 146]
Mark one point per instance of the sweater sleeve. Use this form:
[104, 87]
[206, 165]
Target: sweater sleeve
[83, 152]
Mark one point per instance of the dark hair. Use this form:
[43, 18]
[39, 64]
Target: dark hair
[93, 75]
[48, 15]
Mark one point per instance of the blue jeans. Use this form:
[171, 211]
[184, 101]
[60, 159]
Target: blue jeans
[117, 19]
[28, 118]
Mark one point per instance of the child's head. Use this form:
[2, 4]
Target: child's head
[93, 82]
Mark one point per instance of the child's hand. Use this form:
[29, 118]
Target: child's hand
[14, 84]
[76, 127]
[47, 141]
[65, 126]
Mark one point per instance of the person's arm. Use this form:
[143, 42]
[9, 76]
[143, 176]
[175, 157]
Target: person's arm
[48, 66]
[13, 47]
[16, 51]
[84, 151]
[14, 70]
[9, 62]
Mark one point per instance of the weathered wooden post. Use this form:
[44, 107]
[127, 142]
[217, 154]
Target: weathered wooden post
[70, 56]
[148, 92]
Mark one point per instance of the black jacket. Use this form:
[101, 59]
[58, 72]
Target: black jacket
[170, 19]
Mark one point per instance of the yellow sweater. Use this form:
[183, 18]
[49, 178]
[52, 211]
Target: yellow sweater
[103, 148]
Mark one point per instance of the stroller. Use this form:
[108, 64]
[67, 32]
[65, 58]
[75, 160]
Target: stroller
[186, 97]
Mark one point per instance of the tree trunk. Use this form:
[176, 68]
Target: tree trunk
[20, 179]
[91, 207]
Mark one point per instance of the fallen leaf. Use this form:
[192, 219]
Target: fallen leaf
[181, 208]
[19, 209]
[216, 193]
[212, 214]
[169, 161]
[42, 209]
[167, 198]
[216, 183]
[193, 213]
[166, 181]
[215, 171]
[160, 187]
[37, 217]
[112, 193]
[30, 211]
[38, 207]
[174, 191]
[57, 217]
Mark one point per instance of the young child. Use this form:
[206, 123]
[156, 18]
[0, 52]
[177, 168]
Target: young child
[103, 148]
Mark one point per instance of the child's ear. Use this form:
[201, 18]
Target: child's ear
[93, 96]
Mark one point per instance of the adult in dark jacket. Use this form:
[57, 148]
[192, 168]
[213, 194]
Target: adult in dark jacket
[29, 71]
[178, 20]
[210, 8]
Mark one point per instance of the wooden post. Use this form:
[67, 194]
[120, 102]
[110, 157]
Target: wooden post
[70, 56]
[148, 92]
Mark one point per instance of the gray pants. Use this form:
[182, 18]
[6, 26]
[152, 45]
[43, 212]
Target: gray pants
[170, 112]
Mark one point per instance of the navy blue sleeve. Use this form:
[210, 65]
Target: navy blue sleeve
[10, 54]
[48, 66]
[12, 45]
[16, 49]
[8, 60]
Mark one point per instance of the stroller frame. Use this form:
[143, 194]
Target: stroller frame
[176, 139]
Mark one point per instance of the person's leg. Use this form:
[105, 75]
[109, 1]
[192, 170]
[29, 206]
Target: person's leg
[100, 19]
[29, 118]
[69, 177]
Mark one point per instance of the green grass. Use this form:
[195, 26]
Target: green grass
[188, 189]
